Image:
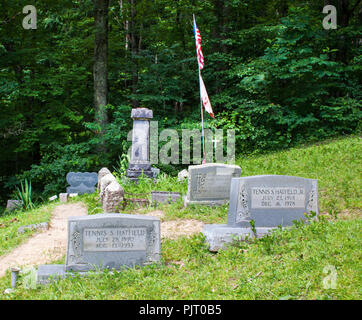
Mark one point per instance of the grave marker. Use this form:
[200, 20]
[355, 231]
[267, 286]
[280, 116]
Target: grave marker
[269, 200]
[140, 157]
[209, 184]
[14, 204]
[165, 196]
[107, 241]
[81, 182]
[112, 241]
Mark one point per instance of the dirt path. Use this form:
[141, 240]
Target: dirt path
[46, 246]
[175, 228]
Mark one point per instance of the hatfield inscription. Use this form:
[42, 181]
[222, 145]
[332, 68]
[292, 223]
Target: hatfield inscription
[269, 200]
[114, 239]
[277, 197]
[107, 241]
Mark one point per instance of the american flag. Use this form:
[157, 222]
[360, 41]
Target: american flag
[205, 98]
[200, 56]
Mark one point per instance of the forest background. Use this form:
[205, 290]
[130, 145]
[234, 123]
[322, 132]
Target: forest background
[273, 74]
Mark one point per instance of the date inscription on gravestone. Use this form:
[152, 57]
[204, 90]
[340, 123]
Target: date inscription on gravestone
[114, 239]
[277, 197]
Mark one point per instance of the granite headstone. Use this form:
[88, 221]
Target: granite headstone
[107, 241]
[269, 200]
[209, 184]
[140, 157]
[112, 241]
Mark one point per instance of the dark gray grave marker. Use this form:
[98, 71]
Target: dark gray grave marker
[81, 182]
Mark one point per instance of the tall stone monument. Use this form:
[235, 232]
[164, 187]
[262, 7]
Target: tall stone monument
[140, 154]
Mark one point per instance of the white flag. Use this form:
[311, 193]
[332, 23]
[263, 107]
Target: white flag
[205, 98]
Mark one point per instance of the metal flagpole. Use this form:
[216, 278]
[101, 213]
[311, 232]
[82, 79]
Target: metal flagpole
[202, 122]
[202, 114]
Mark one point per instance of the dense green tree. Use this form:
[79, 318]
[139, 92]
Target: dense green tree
[272, 73]
[100, 65]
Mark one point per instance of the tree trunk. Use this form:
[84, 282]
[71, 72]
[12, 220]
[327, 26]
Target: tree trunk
[135, 48]
[100, 67]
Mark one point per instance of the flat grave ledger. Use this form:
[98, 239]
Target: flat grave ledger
[269, 200]
[165, 196]
[81, 182]
[209, 184]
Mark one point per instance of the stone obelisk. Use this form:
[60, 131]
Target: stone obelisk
[140, 154]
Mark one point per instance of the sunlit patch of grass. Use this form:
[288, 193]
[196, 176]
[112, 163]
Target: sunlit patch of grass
[9, 224]
[337, 166]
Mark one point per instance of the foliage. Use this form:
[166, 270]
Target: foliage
[24, 194]
[272, 73]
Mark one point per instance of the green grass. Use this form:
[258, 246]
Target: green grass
[9, 224]
[336, 164]
[287, 265]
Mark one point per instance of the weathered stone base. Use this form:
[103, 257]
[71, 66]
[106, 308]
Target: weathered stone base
[14, 204]
[53, 272]
[48, 272]
[146, 166]
[113, 195]
[210, 203]
[102, 173]
[219, 235]
[134, 174]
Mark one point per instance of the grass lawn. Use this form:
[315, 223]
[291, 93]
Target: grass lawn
[9, 224]
[291, 264]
